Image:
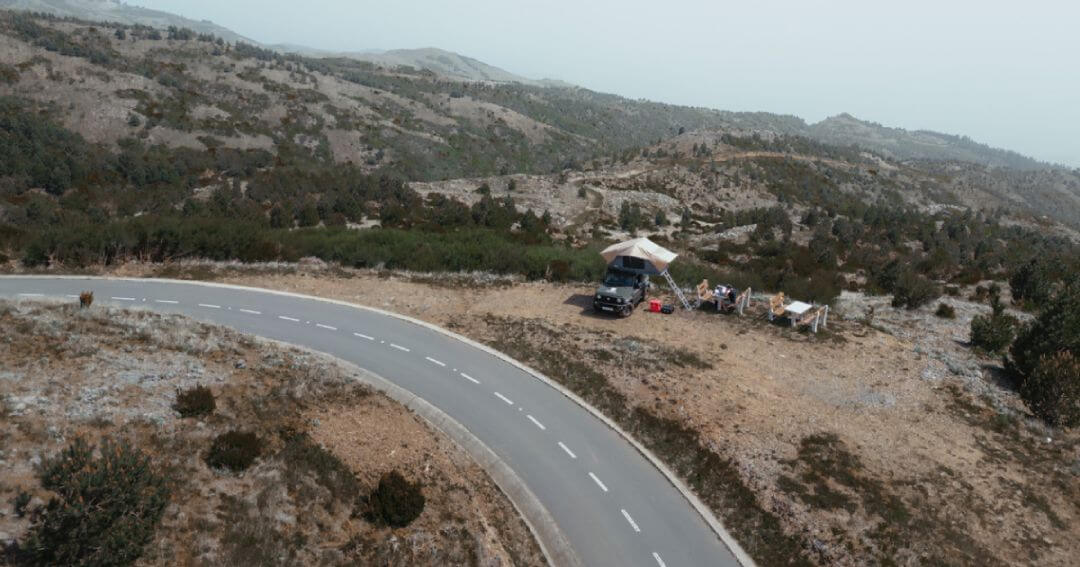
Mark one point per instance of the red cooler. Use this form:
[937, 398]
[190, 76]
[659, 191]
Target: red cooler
[654, 305]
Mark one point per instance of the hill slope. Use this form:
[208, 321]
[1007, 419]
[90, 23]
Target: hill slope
[119, 12]
[845, 129]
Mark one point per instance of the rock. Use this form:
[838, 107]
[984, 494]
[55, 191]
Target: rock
[240, 364]
[6, 539]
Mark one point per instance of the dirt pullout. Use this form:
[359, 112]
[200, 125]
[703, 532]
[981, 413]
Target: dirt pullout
[101, 372]
[866, 446]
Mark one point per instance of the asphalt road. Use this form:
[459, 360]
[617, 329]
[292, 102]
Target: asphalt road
[612, 504]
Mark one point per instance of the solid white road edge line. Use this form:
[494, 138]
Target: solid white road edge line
[469, 378]
[567, 449]
[327, 327]
[433, 361]
[293, 319]
[659, 561]
[538, 424]
[399, 347]
[633, 524]
[596, 479]
[363, 336]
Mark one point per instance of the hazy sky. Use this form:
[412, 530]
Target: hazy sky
[1003, 73]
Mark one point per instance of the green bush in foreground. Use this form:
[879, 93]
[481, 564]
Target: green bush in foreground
[194, 402]
[395, 502]
[912, 291]
[1043, 356]
[234, 450]
[945, 311]
[105, 509]
[1052, 391]
[993, 333]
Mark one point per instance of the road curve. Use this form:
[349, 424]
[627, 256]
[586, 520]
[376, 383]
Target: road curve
[610, 502]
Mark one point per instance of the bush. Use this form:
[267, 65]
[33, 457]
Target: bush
[395, 502]
[945, 311]
[194, 402]
[1052, 390]
[105, 509]
[235, 450]
[995, 332]
[913, 291]
[1055, 329]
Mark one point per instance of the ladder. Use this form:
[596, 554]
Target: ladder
[678, 290]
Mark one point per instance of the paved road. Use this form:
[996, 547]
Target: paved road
[611, 503]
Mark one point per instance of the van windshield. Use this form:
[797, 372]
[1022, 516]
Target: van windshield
[620, 279]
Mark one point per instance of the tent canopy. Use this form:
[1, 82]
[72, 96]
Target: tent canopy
[656, 258]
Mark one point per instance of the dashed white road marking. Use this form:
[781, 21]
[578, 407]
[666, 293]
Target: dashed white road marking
[168, 301]
[251, 312]
[293, 319]
[538, 424]
[124, 298]
[363, 336]
[596, 479]
[504, 398]
[567, 449]
[327, 327]
[210, 305]
[659, 562]
[399, 347]
[469, 378]
[433, 361]
[35, 295]
[633, 524]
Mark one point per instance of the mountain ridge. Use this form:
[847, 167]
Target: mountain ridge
[842, 129]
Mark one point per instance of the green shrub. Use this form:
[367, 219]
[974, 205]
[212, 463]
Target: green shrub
[194, 402]
[105, 509]
[234, 450]
[1037, 354]
[945, 311]
[1052, 390]
[395, 502]
[22, 500]
[912, 291]
[995, 332]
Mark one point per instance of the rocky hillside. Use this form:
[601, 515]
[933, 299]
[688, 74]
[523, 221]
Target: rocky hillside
[846, 130]
[119, 12]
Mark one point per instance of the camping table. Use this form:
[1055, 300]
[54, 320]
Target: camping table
[796, 311]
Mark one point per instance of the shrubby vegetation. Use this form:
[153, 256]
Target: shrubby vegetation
[1044, 358]
[197, 401]
[105, 509]
[395, 502]
[993, 333]
[234, 450]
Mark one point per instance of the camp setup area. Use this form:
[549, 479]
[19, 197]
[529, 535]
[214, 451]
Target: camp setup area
[626, 284]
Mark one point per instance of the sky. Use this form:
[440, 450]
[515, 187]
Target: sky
[1004, 73]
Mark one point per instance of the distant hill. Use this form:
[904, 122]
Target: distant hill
[898, 143]
[439, 61]
[119, 12]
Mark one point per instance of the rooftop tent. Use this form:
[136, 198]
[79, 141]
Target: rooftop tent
[639, 255]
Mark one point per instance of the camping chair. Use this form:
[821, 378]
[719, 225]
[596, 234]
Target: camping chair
[776, 306]
[704, 293]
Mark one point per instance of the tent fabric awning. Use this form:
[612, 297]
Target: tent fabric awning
[642, 248]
